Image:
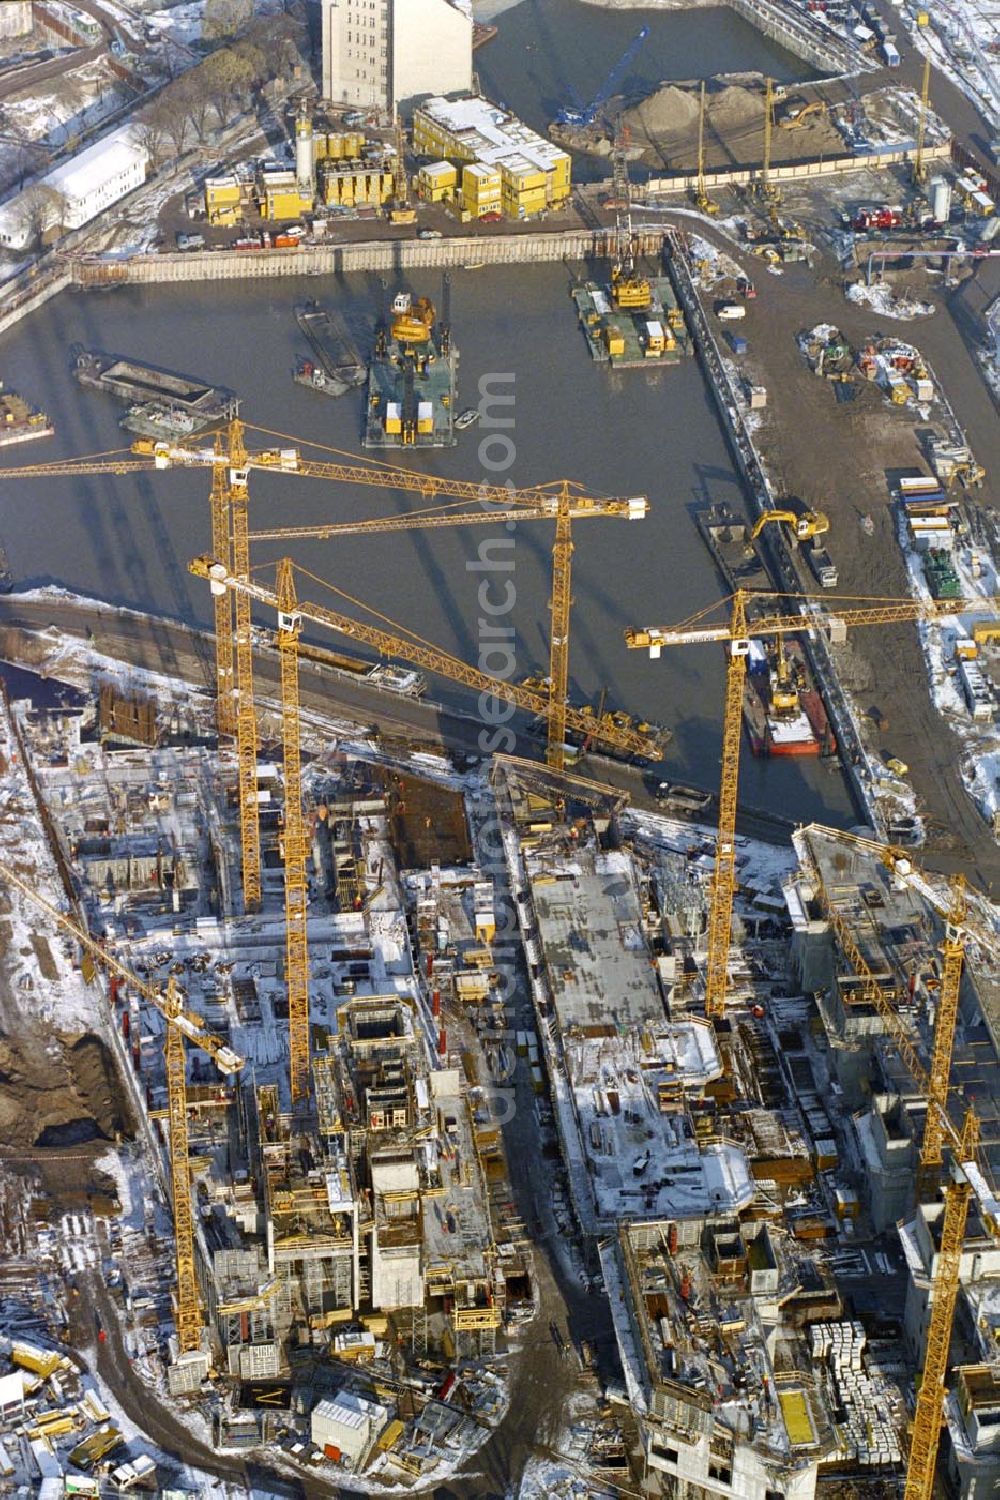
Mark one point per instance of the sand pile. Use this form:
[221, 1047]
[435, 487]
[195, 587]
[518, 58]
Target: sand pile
[734, 108]
[669, 111]
[668, 119]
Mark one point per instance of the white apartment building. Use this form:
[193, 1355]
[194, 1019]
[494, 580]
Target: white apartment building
[378, 54]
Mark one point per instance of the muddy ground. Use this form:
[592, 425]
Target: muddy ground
[840, 458]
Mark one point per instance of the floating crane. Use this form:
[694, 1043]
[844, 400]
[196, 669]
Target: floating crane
[629, 290]
[581, 116]
[706, 204]
[803, 525]
[736, 637]
[181, 1026]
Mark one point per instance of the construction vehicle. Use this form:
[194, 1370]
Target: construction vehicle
[412, 320]
[800, 114]
[803, 524]
[766, 189]
[630, 291]
[736, 636]
[881, 218]
[181, 1026]
[402, 211]
[706, 204]
[581, 116]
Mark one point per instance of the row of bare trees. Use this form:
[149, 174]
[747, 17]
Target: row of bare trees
[208, 95]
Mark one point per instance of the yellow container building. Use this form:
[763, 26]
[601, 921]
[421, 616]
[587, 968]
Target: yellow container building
[482, 191]
[437, 182]
[222, 200]
[535, 174]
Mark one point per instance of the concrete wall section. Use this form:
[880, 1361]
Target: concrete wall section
[431, 49]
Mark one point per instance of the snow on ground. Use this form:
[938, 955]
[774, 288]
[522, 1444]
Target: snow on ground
[882, 299]
[39, 974]
[958, 41]
[182, 23]
[78, 100]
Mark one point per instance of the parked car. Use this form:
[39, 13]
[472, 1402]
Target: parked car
[190, 241]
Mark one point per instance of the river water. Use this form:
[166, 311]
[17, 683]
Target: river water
[551, 53]
[129, 539]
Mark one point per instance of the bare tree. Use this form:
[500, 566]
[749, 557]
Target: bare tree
[174, 107]
[199, 103]
[151, 133]
[42, 211]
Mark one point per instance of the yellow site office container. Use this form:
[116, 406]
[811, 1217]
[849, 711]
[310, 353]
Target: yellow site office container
[281, 203]
[614, 341]
[393, 417]
[222, 200]
[437, 182]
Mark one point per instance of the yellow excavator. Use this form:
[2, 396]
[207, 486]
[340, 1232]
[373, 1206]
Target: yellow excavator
[798, 114]
[784, 694]
[804, 524]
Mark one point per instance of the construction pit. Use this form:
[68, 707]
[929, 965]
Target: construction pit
[808, 123]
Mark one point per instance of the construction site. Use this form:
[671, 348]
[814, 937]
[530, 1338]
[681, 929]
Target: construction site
[404, 1086]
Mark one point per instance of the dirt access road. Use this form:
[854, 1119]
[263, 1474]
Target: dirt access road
[836, 458]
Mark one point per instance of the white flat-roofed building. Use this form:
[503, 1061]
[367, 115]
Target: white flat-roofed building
[76, 190]
[379, 53]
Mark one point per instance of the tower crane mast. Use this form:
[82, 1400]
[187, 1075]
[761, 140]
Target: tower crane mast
[181, 1026]
[736, 636]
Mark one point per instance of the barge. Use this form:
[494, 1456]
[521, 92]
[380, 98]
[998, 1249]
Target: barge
[337, 367]
[20, 423]
[632, 338]
[412, 380]
[783, 710]
[170, 404]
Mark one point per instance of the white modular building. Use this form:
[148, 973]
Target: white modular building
[75, 191]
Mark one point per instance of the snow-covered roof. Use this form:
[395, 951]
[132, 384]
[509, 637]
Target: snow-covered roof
[90, 169]
[493, 134]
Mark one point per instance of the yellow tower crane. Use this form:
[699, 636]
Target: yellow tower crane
[291, 612]
[225, 682]
[563, 501]
[181, 1026]
[919, 169]
[296, 845]
[736, 637]
[959, 930]
[939, 1130]
[402, 211]
[768, 191]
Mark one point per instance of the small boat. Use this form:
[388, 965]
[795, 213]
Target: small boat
[466, 418]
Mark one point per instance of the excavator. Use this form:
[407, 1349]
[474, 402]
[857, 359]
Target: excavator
[798, 114]
[784, 693]
[804, 524]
